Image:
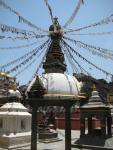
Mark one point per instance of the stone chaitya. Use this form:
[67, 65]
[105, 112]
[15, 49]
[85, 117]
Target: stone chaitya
[96, 109]
[15, 125]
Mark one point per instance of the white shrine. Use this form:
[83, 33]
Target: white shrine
[15, 126]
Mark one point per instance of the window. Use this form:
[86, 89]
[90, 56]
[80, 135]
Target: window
[22, 124]
[1, 123]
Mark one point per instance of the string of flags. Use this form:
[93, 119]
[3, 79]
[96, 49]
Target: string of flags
[22, 63]
[97, 33]
[17, 60]
[18, 47]
[24, 34]
[19, 72]
[74, 68]
[74, 13]
[66, 53]
[81, 68]
[6, 28]
[101, 22]
[20, 18]
[26, 67]
[2, 37]
[47, 49]
[50, 10]
[39, 33]
[24, 56]
[99, 51]
[105, 53]
[16, 37]
[71, 56]
[28, 58]
[83, 58]
[41, 62]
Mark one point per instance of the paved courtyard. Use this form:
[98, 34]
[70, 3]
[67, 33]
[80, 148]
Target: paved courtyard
[60, 145]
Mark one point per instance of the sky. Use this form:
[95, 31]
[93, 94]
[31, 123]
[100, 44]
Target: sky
[37, 12]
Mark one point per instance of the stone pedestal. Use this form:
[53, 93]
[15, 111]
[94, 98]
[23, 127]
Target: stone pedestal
[15, 141]
[45, 133]
[15, 126]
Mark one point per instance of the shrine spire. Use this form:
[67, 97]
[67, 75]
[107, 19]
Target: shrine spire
[54, 62]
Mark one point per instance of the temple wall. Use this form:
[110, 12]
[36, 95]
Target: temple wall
[75, 120]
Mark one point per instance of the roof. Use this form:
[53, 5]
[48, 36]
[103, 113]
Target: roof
[59, 85]
[95, 101]
[14, 108]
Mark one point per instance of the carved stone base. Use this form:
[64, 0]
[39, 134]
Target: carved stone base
[15, 140]
[45, 132]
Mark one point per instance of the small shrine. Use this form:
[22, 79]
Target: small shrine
[15, 125]
[95, 109]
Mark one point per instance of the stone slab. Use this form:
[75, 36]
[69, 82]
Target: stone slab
[10, 142]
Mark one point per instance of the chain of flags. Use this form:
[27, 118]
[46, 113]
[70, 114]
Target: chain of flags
[41, 62]
[105, 53]
[30, 53]
[73, 14]
[18, 47]
[101, 22]
[70, 55]
[92, 34]
[50, 10]
[83, 58]
[28, 58]
[26, 67]
[20, 18]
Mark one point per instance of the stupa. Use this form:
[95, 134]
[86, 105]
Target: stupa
[57, 83]
[61, 89]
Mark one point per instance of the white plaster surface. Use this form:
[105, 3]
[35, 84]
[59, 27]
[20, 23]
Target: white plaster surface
[15, 129]
[58, 83]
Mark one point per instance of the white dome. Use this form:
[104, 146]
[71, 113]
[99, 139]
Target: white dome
[59, 84]
[14, 93]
